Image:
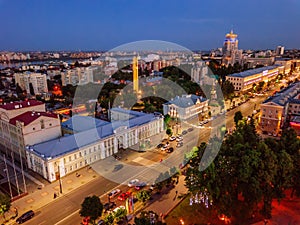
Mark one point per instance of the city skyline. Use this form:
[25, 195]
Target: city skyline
[76, 25]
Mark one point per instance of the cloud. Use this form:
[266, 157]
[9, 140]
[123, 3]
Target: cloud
[200, 20]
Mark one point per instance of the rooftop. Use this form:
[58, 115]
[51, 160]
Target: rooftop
[248, 73]
[63, 145]
[30, 116]
[20, 104]
[186, 100]
[287, 94]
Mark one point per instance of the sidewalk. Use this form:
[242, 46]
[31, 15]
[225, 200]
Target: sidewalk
[163, 204]
[45, 195]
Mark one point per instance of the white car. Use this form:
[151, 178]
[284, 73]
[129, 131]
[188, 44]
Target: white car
[114, 193]
[133, 182]
[120, 207]
[172, 138]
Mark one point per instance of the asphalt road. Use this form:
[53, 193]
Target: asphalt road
[65, 209]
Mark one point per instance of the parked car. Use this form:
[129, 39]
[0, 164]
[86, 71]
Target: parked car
[159, 145]
[108, 206]
[124, 196]
[172, 138]
[178, 139]
[179, 144]
[164, 148]
[133, 182]
[170, 150]
[24, 217]
[100, 222]
[114, 193]
[140, 185]
[184, 132]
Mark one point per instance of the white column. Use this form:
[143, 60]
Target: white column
[115, 143]
[102, 150]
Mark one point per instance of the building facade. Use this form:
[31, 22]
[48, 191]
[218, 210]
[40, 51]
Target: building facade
[279, 109]
[59, 157]
[231, 53]
[245, 80]
[186, 107]
[26, 123]
[38, 81]
[78, 76]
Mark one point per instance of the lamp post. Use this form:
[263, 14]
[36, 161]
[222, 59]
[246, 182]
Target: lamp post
[60, 182]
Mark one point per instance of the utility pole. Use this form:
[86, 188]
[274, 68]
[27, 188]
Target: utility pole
[22, 170]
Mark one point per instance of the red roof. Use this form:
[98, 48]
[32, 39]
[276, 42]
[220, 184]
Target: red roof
[20, 104]
[31, 116]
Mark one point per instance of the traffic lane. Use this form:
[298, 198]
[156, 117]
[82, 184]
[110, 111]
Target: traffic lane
[67, 204]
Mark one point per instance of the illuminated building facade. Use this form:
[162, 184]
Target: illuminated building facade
[280, 108]
[245, 80]
[186, 107]
[231, 54]
[91, 140]
[26, 123]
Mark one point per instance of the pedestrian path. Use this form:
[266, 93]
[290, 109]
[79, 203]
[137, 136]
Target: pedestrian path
[45, 195]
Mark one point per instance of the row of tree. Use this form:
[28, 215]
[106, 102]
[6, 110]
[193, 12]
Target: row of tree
[248, 172]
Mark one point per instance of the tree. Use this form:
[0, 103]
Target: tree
[169, 131]
[143, 195]
[4, 204]
[147, 218]
[109, 219]
[91, 207]
[120, 215]
[237, 117]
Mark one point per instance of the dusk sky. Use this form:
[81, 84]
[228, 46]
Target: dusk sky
[103, 25]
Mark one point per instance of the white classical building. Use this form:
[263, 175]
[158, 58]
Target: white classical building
[90, 142]
[186, 107]
[26, 123]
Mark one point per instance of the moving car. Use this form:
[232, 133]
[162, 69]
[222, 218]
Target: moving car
[164, 148]
[124, 196]
[133, 182]
[159, 145]
[140, 185]
[26, 216]
[184, 132]
[190, 129]
[114, 193]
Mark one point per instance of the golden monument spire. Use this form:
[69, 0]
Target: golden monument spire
[135, 71]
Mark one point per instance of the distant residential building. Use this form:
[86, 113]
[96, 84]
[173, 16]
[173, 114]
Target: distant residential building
[279, 50]
[38, 81]
[186, 107]
[26, 123]
[286, 62]
[77, 76]
[280, 108]
[245, 80]
[91, 142]
[253, 62]
[198, 72]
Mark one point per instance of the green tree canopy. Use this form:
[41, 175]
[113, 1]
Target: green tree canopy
[91, 207]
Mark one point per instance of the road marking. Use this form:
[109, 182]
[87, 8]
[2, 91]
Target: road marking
[67, 217]
[42, 222]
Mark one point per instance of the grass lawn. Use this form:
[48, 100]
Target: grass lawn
[196, 214]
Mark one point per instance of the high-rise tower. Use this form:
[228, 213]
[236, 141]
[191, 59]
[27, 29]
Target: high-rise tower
[230, 49]
[135, 71]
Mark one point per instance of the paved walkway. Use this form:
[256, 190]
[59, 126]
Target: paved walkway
[164, 203]
[45, 195]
